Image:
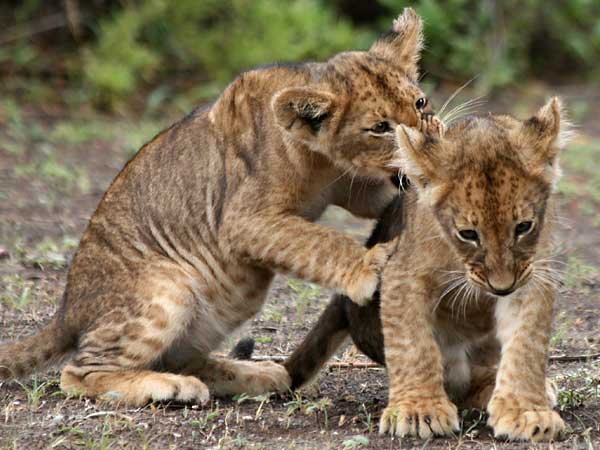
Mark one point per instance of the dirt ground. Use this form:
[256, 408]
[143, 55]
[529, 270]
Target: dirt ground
[54, 167]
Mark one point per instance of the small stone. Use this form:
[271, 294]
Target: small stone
[4, 253]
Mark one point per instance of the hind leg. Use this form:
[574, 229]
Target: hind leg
[135, 388]
[232, 377]
[113, 358]
[483, 381]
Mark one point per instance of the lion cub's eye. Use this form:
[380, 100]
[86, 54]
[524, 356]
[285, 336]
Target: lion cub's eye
[381, 127]
[468, 235]
[421, 103]
[523, 228]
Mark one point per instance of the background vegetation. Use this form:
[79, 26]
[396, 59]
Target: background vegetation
[84, 83]
[106, 51]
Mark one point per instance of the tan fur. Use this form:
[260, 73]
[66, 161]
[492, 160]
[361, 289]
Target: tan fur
[183, 246]
[441, 305]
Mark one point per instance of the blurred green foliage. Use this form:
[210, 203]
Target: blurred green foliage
[136, 46]
[501, 41]
[217, 38]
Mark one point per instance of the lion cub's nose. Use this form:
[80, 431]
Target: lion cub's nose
[501, 284]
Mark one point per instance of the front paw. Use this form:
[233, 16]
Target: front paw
[261, 377]
[517, 420]
[364, 279]
[431, 125]
[420, 418]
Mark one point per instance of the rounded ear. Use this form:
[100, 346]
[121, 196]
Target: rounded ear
[402, 45]
[302, 111]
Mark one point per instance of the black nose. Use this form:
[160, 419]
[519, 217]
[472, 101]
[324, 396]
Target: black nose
[503, 292]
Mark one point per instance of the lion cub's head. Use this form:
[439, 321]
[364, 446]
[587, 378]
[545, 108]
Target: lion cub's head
[488, 181]
[356, 99]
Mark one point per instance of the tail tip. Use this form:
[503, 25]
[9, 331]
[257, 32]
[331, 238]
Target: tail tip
[243, 349]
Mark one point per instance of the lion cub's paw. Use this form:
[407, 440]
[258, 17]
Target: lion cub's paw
[160, 387]
[431, 125]
[420, 418]
[513, 420]
[365, 278]
[265, 376]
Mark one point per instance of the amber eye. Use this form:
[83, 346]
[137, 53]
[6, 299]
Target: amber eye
[523, 228]
[468, 235]
[381, 127]
[421, 103]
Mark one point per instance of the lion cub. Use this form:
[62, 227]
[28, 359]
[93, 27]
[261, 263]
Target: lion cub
[480, 221]
[468, 287]
[184, 244]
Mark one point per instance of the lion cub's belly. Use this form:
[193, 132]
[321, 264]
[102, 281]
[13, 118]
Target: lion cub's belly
[457, 334]
[221, 306]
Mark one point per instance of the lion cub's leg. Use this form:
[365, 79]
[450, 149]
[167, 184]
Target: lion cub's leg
[232, 377]
[519, 407]
[418, 404]
[483, 381]
[113, 358]
[290, 244]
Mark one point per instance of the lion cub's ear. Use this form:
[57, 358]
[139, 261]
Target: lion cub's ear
[543, 136]
[303, 112]
[418, 157]
[402, 45]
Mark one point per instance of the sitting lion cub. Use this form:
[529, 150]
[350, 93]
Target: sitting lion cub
[467, 297]
[184, 244]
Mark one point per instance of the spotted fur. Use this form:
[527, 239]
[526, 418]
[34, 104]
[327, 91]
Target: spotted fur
[479, 345]
[498, 173]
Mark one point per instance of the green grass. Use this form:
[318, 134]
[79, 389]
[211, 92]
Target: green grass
[358, 441]
[578, 387]
[304, 293]
[311, 407]
[582, 179]
[561, 329]
[36, 391]
[49, 253]
[17, 293]
[128, 135]
[577, 271]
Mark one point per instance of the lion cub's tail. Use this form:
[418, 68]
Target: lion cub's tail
[48, 347]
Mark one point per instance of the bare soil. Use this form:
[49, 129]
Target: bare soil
[50, 183]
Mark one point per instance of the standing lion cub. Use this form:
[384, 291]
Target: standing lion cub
[467, 297]
[483, 229]
[184, 244]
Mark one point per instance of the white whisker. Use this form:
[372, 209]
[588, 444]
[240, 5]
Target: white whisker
[461, 111]
[474, 102]
[456, 92]
[453, 284]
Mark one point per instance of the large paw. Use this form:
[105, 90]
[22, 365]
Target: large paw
[261, 377]
[365, 278]
[431, 125]
[420, 418]
[516, 420]
[160, 387]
